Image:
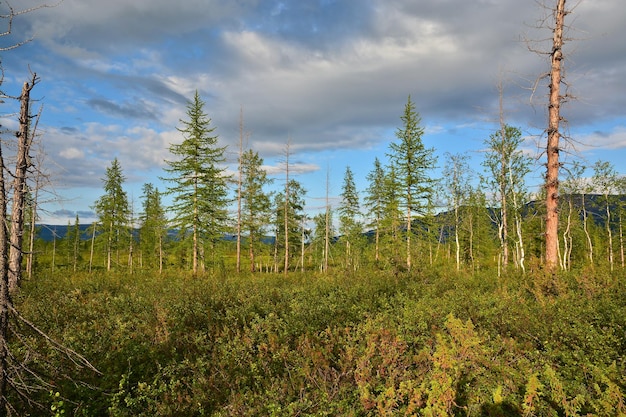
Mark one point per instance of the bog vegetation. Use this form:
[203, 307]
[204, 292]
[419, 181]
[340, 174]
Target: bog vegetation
[404, 311]
[415, 296]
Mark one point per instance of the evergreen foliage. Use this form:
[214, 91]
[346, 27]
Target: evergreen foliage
[256, 202]
[349, 221]
[412, 161]
[113, 212]
[153, 228]
[199, 183]
[293, 208]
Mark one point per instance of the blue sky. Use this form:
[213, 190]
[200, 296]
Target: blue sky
[332, 76]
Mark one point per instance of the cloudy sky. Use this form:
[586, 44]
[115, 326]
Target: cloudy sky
[331, 76]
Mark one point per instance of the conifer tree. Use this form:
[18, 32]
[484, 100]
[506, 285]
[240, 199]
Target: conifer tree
[199, 182]
[375, 202]
[412, 161]
[322, 228]
[349, 212]
[153, 229]
[256, 204]
[112, 210]
[392, 219]
[289, 212]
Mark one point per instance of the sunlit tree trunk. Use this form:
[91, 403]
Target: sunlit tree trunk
[554, 117]
[23, 163]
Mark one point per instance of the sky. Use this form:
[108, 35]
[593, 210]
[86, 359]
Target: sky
[330, 77]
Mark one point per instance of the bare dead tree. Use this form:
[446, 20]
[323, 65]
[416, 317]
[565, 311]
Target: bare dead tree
[20, 189]
[558, 95]
[5, 296]
[554, 118]
[286, 206]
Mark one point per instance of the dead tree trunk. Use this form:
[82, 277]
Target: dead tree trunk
[554, 117]
[23, 163]
[5, 297]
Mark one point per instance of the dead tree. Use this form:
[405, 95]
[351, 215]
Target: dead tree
[22, 165]
[552, 150]
[5, 297]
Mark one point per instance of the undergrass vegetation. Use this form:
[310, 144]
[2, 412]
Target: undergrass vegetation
[429, 344]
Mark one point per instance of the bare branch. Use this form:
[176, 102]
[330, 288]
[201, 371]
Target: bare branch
[11, 14]
[74, 356]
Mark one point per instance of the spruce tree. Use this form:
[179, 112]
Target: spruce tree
[349, 213]
[199, 182]
[256, 204]
[289, 211]
[375, 202]
[153, 229]
[412, 161]
[112, 210]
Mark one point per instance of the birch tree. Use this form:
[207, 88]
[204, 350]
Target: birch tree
[457, 176]
[507, 167]
[605, 179]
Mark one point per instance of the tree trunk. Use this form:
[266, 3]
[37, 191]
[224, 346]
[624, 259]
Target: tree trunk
[239, 184]
[609, 233]
[286, 207]
[408, 232]
[567, 237]
[93, 241]
[586, 229]
[19, 187]
[554, 117]
[5, 297]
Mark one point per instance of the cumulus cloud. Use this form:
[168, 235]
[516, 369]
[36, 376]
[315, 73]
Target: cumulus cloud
[327, 75]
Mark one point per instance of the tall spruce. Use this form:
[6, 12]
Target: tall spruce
[412, 161]
[375, 202]
[256, 203]
[288, 216]
[112, 210]
[153, 228]
[349, 218]
[199, 182]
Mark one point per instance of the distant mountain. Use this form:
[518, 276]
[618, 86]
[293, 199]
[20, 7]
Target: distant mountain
[593, 202]
[47, 232]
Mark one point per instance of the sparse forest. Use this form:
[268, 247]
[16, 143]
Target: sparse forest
[416, 296]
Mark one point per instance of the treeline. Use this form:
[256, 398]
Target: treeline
[405, 218]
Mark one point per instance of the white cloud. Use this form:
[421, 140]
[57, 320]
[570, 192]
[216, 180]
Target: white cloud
[613, 139]
[72, 153]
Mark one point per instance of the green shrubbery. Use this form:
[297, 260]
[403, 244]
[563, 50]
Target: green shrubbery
[314, 345]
